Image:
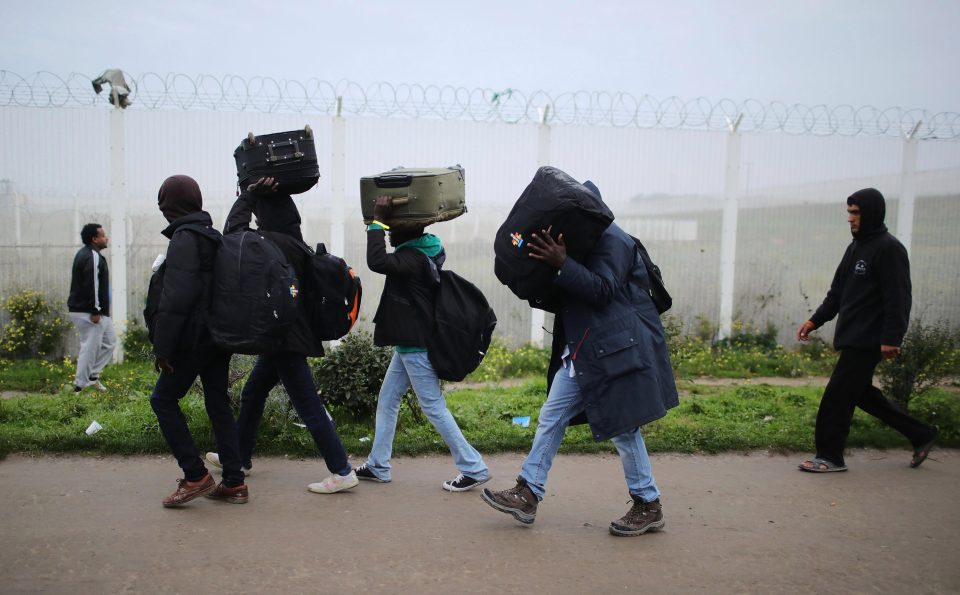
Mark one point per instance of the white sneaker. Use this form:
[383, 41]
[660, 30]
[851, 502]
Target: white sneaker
[214, 459]
[335, 483]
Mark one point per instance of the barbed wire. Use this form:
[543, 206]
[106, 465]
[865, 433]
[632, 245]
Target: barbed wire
[176, 91]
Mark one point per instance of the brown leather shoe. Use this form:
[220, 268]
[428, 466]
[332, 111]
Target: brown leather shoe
[188, 490]
[235, 495]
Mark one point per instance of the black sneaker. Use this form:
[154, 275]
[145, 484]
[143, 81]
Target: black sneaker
[518, 501]
[364, 472]
[462, 483]
[642, 517]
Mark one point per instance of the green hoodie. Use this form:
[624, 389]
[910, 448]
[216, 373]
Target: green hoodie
[428, 243]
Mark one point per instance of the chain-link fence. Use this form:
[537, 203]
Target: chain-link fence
[746, 219]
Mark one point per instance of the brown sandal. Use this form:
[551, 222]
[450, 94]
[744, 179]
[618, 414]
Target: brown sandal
[921, 452]
[818, 465]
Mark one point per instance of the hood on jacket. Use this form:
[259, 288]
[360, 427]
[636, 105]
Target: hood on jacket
[179, 196]
[201, 218]
[873, 210]
[278, 213]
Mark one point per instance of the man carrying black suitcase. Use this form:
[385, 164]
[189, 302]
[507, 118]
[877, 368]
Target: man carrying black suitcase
[279, 222]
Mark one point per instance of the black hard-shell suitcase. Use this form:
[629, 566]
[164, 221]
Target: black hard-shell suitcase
[421, 195]
[555, 202]
[288, 157]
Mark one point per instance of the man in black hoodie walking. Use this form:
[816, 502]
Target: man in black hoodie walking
[871, 293]
[177, 305]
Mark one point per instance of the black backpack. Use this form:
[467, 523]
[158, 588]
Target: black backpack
[658, 292]
[332, 293]
[463, 324]
[255, 294]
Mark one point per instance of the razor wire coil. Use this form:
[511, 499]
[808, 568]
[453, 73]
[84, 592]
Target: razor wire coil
[177, 91]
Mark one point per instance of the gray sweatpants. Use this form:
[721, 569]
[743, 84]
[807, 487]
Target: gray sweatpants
[96, 346]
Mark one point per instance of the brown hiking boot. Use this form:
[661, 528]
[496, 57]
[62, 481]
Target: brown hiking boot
[642, 517]
[519, 501]
[235, 495]
[188, 490]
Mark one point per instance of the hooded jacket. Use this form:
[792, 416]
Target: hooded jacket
[182, 305]
[871, 289]
[610, 328]
[278, 220]
[403, 318]
[180, 323]
[89, 283]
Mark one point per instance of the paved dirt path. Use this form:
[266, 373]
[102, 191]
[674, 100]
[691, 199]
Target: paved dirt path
[735, 524]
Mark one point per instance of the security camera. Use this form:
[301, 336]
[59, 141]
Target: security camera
[119, 91]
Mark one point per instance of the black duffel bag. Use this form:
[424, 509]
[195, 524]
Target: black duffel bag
[555, 202]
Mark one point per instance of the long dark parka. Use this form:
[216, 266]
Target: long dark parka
[615, 338]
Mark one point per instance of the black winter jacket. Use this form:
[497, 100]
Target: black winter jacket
[180, 323]
[410, 281]
[300, 339]
[89, 283]
[871, 288]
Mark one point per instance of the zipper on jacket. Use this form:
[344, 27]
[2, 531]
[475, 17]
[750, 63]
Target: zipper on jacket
[577, 350]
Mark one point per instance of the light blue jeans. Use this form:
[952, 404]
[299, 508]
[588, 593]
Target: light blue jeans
[414, 369]
[563, 403]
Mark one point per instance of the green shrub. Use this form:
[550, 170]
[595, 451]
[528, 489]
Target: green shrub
[36, 326]
[136, 342]
[929, 355]
[502, 362]
[745, 335]
[349, 377]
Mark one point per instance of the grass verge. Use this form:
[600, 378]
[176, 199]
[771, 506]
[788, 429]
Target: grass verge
[716, 419]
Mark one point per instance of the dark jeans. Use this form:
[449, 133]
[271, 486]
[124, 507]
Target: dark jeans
[212, 366]
[850, 386]
[293, 371]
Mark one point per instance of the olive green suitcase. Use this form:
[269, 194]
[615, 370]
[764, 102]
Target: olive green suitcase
[421, 195]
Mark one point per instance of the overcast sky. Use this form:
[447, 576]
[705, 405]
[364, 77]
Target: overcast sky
[860, 52]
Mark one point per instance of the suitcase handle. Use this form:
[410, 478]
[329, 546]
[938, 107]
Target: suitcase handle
[400, 200]
[272, 157]
[393, 181]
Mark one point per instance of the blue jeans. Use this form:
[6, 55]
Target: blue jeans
[293, 371]
[563, 403]
[408, 369]
[212, 365]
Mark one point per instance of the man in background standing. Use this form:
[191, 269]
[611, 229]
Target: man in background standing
[89, 305]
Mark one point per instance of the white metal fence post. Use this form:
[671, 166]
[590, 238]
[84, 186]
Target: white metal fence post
[338, 174]
[728, 238]
[118, 226]
[537, 317]
[908, 189]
